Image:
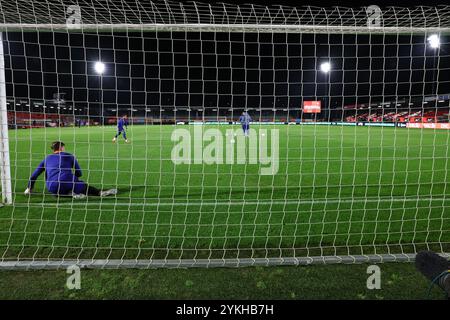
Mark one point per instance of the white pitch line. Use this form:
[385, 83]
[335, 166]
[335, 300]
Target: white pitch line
[233, 203]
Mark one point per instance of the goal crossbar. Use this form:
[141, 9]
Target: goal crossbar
[107, 16]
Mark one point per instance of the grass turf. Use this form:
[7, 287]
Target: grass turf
[398, 281]
[338, 190]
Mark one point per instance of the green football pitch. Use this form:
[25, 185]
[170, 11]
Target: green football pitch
[338, 191]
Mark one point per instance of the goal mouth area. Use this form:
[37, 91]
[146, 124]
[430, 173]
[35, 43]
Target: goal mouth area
[231, 28]
[342, 196]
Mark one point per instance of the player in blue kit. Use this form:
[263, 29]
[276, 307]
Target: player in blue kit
[245, 120]
[122, 124]
[62, 173]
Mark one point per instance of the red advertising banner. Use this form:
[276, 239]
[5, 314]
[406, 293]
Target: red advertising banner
[429, 125]
[311, 106]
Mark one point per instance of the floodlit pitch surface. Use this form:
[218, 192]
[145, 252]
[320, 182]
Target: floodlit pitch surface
[338, 191]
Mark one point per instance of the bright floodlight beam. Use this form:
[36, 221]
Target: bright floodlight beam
[434, 41]
[99, 67]
[325, 67]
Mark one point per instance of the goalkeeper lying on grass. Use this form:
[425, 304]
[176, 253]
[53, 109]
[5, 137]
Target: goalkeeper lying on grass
[60, 179]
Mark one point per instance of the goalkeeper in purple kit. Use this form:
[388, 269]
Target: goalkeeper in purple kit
[122, 125]
[62, 173]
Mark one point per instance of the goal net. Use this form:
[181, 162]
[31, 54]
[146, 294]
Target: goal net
[234, 135]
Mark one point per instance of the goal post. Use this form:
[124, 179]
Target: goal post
[361, 176]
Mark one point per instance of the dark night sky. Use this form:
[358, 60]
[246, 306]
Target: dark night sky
[222, 70]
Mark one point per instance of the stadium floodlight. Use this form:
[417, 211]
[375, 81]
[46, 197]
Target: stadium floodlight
[325, 67]
[99, 67]
[434, 41]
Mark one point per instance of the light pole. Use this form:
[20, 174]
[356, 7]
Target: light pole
[100, 69]
[325, 67]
